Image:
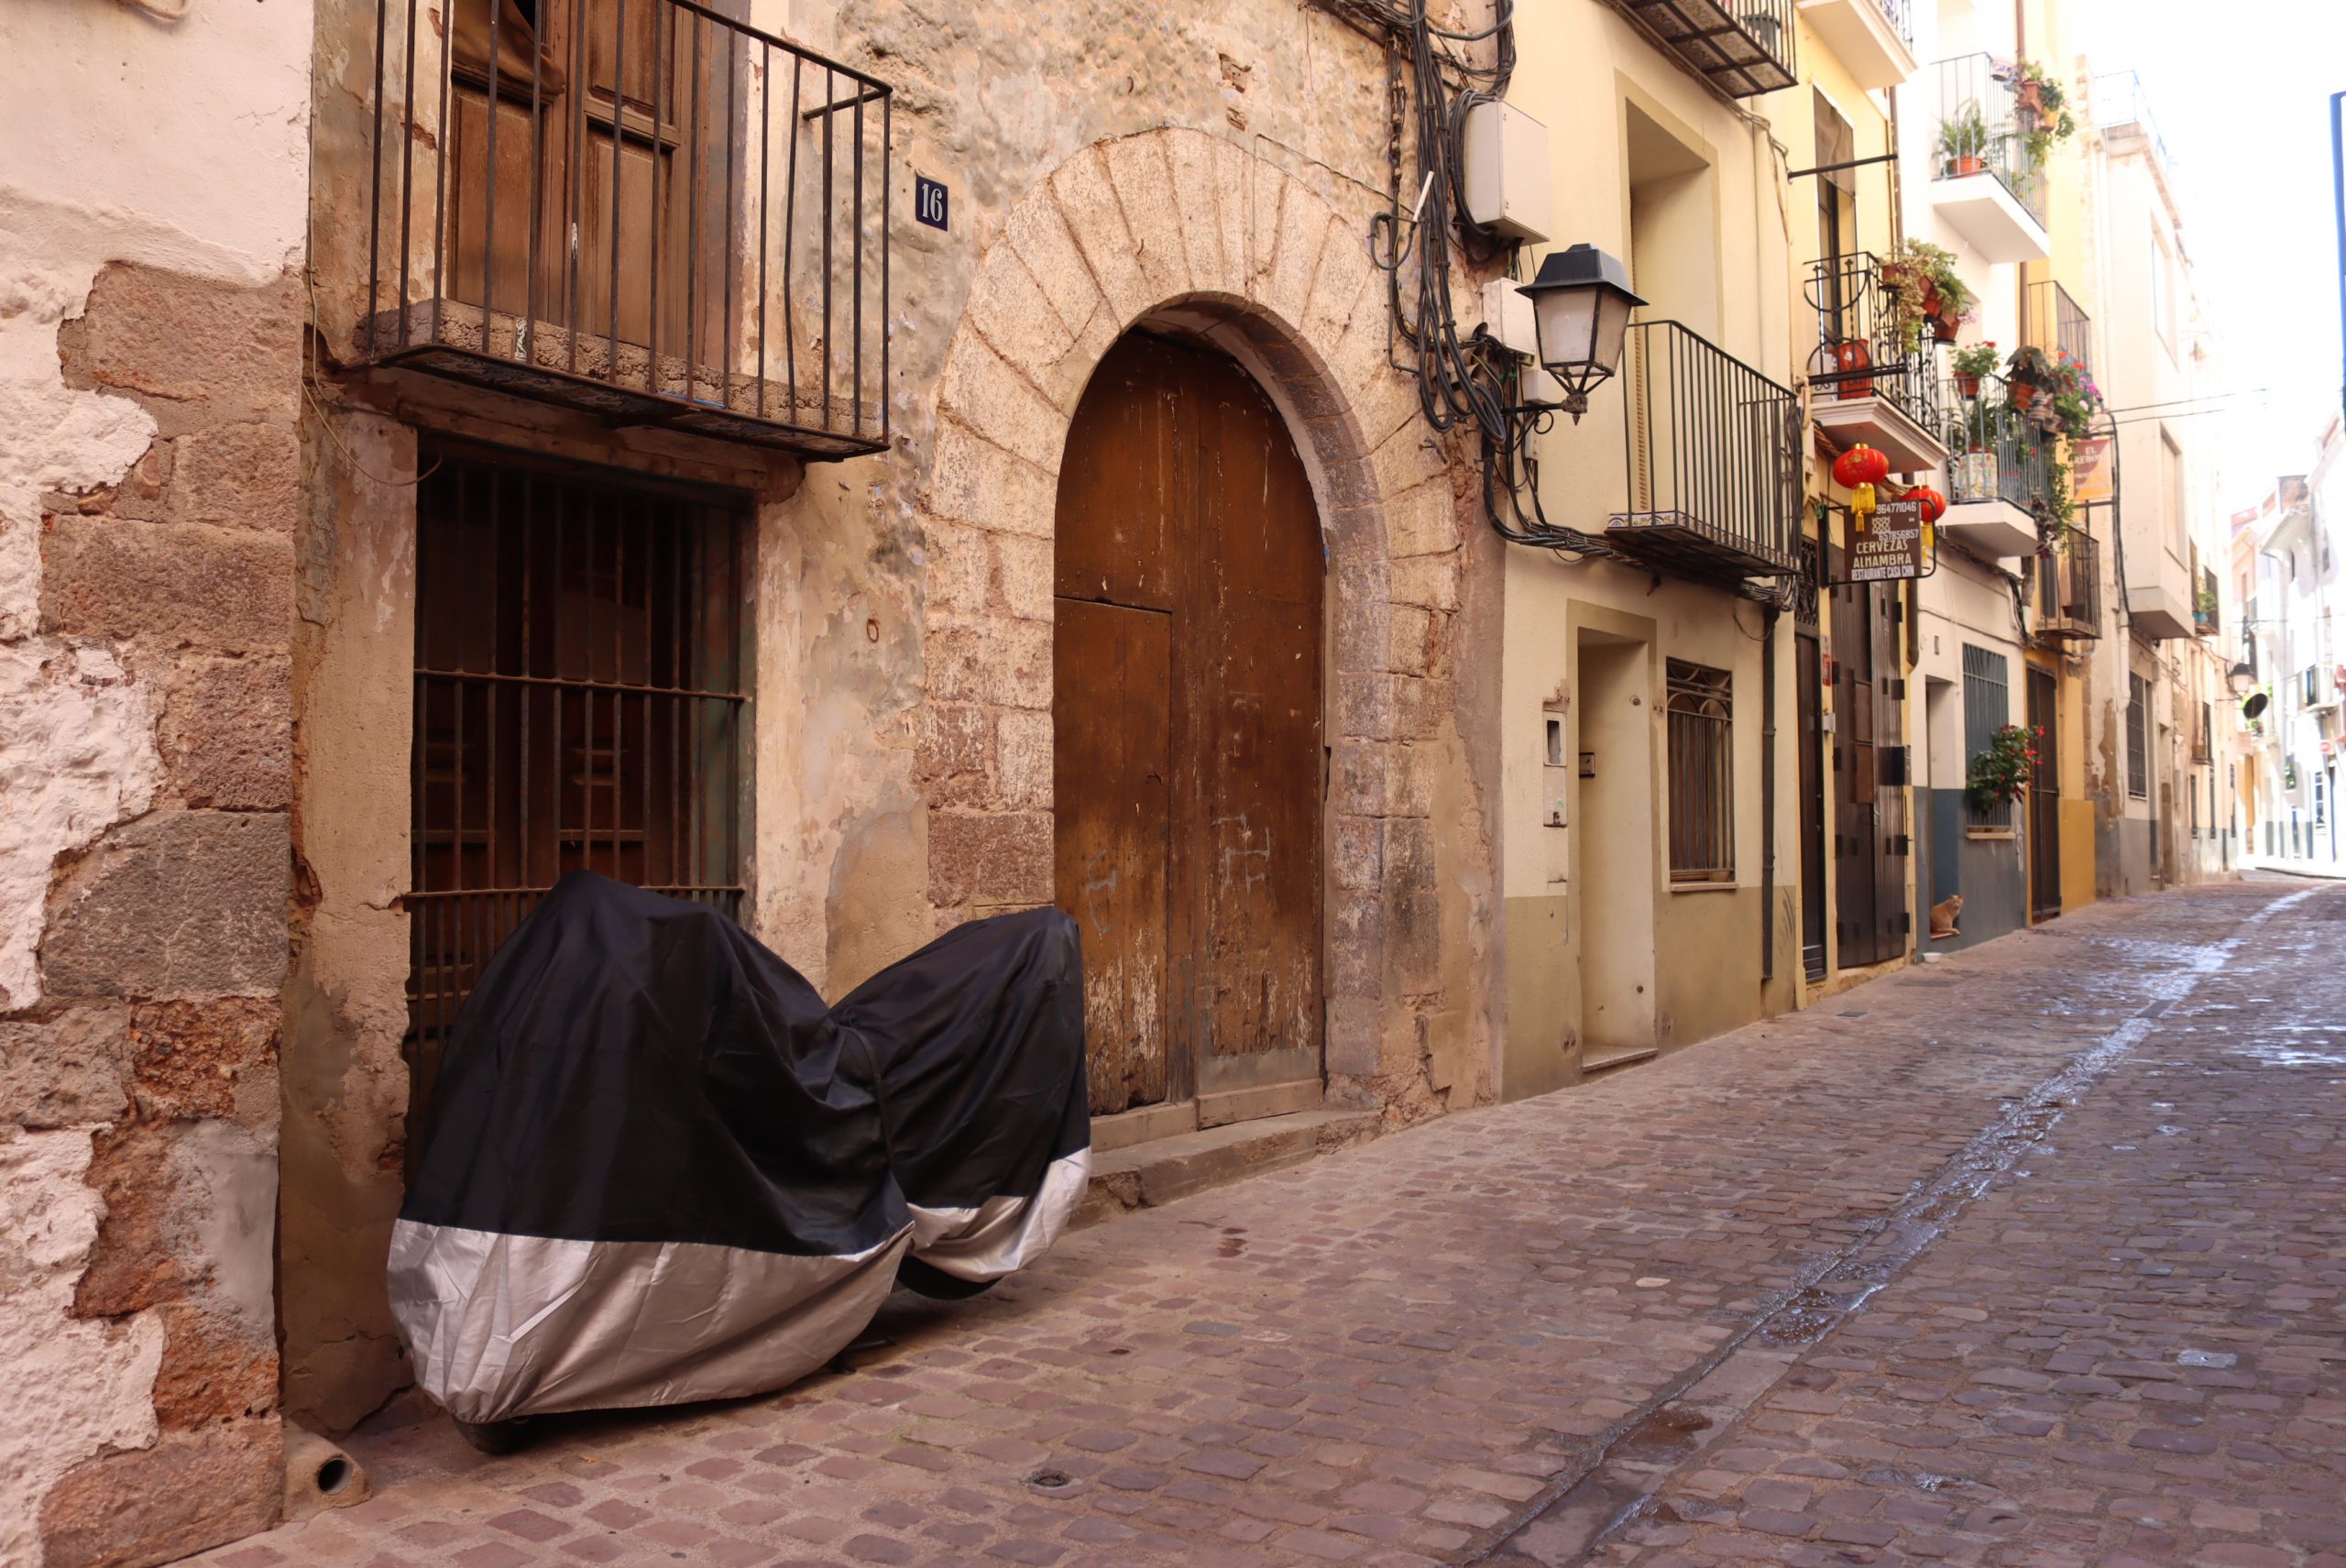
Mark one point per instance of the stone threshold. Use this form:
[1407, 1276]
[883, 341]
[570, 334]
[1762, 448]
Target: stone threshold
[1143, 1176]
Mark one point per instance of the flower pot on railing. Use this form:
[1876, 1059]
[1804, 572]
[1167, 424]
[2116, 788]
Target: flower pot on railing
[1854, 355]
[1966, 164]
[1973, 475]
[1966, 386]
[1942, 329]
[2022, 394]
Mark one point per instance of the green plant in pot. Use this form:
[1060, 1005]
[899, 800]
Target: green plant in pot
[2028, 372]
[1999, 774]
[1932, 293]
[2043, 109]
[1970, 364]
[1963, 141]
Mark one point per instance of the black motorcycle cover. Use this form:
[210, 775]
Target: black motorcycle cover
[661, 1170]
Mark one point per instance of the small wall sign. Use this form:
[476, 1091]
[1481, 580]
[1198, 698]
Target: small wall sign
[931, 201]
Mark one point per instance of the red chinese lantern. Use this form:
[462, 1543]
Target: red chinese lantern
[1933, 504]
[1860, 465]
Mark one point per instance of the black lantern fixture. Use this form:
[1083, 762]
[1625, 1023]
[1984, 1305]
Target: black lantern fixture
[2243, 677]
[1580, 304]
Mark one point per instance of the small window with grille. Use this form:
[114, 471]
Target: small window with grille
[1986, 708]
[1701, 774]
[2138, 741]
[580, 705]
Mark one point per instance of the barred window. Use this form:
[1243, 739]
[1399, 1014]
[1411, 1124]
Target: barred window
[1701, 774]
[1986, 708]
[2138, 743]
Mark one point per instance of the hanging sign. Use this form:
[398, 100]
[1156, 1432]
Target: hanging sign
[2090, 472]
[1889, 548]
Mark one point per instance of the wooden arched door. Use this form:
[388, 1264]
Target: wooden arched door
[1188, 770]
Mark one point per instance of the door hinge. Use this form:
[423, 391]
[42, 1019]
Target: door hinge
[1901, 844]
[1839, 848]
[1898, 688]
[1897, 612]
[1894, 766]
[1905, 922]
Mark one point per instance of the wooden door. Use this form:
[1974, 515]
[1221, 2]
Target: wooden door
[1869, 818]
[607, 208]
[1809, 665]
[1189, 771]
[1855, 771]
[2044, 800]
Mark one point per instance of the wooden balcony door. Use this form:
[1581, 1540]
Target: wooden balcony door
[1188, 770]
[605, 202]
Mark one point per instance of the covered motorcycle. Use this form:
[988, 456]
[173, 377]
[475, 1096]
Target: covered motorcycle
[662, 1171]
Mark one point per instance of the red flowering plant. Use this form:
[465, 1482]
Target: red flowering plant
[1999, 774]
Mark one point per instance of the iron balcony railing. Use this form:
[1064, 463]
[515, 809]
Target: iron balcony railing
[2065, 589]
[1994, 454]
[1743, 48]
[1713, 459]
[2057, 324]
[1863, 350]
[640, 207]
[1982, 131]
[2207, 604]
[1901, 14]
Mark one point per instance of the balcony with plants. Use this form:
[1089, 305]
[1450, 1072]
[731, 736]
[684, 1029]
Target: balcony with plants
[1743, 48]
[1873, 39]
[1873, 375]
[1998, 122]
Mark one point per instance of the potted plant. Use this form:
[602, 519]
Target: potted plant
[1999, 774]
[1963, 141]
[2042, 108]
[1972, 363]
[1931, 292]
[2028, 372]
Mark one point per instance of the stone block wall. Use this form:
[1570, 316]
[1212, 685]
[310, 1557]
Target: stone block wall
[150, 369]
[150, 866]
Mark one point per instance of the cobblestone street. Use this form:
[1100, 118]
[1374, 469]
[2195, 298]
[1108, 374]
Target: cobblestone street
[2029, 1257]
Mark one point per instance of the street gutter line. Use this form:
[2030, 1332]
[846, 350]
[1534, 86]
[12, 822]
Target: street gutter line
[1579, 1510]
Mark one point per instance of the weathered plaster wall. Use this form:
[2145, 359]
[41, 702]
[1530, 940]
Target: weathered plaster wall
[148, 373]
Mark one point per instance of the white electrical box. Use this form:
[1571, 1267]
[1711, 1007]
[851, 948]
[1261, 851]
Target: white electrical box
[1506, 315]
[1507, 171]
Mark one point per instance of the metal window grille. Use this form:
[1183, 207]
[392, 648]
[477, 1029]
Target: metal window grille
[1702, 773]
[2138, 744]
[580, 705]
[1986, 708]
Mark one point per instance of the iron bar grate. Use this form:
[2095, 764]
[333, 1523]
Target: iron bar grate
[580, 705]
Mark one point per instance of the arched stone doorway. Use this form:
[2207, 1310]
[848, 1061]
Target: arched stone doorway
[1187, 716]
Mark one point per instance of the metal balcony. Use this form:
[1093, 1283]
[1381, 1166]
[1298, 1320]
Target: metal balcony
[637, 208]
[2065, 590]
[1743, 48]
[1714, 457]
[2207, 604]
[1999, 472]
[2057, 324]
[1986, 186]
[1868, 385]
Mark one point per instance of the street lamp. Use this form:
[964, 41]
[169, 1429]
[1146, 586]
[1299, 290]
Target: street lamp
[2243, 677]
[1580, 305]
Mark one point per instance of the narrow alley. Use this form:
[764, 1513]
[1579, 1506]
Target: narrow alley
[2030, 1256]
